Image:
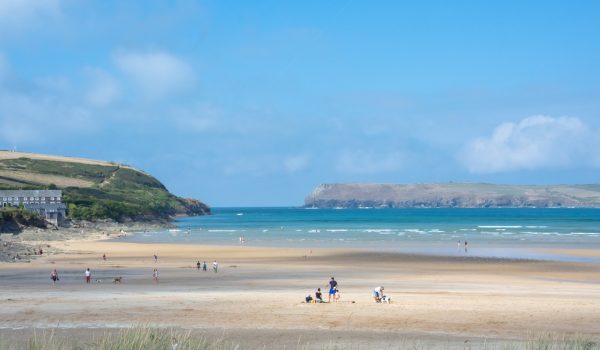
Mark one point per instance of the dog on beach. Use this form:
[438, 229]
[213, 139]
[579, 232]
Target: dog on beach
[117, 280]
[98, 281]
[386, 299]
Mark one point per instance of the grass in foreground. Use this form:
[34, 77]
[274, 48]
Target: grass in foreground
[149, 338]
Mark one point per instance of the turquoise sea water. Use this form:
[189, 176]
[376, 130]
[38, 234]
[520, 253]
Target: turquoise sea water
[514, 232]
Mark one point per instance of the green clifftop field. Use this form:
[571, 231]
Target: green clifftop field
[95, 190]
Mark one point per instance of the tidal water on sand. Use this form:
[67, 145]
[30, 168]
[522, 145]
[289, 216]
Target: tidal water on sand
[492, 232]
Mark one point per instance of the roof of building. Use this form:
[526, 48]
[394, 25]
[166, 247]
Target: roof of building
[30, 193]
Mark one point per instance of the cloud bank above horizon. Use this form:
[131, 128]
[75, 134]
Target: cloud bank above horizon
[236, 107]
[536, 142]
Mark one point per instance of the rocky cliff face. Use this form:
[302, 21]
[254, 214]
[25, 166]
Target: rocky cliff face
[452, 195]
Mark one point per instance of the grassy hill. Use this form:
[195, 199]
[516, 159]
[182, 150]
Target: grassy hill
[94, 189]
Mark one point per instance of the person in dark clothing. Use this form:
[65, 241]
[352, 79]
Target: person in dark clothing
[332, 284]
[319, 296]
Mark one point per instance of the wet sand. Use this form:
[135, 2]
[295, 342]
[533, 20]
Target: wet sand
[257, 296]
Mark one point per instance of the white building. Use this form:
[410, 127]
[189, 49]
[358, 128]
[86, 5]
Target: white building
[47, 203]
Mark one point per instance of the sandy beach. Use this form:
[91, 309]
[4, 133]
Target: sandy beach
[256, 298]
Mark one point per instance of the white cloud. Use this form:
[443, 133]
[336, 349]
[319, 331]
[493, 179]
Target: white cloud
[17, 12]
[533, 143]
[155, 73]
[262, 165]
[365, 162]
[197, 118]
[104, 88]
[295, 163]
[43, 112]
[30, 120]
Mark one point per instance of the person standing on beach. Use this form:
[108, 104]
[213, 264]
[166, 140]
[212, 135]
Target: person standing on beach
[104, 257]
[155, 258]
[198, 265]
[204, 266]
[54, 276]
[337, 295]
[155, 275]
[466, 244]
[88, 275]
[215, 266]
[332, 284]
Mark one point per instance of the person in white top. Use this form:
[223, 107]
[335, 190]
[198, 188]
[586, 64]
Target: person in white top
[378, 294]
[88, 275]
[215, 266]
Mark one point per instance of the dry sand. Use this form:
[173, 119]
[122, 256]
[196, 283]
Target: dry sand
[257, 296]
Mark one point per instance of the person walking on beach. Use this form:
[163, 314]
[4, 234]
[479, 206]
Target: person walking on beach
[466, 244]
[198, 265]
[88, 275]
[155, 258]
[155, 276]
[54, 276]
[332, 284]
[215, 266]
[104, 257]
[204, 266]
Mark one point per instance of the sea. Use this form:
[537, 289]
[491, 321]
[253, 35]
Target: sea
[515, 233]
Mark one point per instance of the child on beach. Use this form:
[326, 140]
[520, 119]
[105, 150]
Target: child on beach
[88, 275]
[319, 296]
[155, 275]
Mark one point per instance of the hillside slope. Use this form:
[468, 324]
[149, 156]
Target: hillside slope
[448, 195]
[95, 189]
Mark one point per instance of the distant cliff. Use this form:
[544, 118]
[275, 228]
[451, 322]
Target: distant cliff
[452, 195]
[96, 190]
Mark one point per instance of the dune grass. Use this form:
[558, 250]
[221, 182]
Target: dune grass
[150, 338]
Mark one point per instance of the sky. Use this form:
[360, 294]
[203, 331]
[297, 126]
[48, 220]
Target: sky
[254, 103]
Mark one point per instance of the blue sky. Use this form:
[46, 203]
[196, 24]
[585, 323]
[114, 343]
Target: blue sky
[243, 103]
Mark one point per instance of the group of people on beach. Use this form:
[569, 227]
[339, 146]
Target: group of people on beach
[204, 266]
[88, 273]
[334, 293]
